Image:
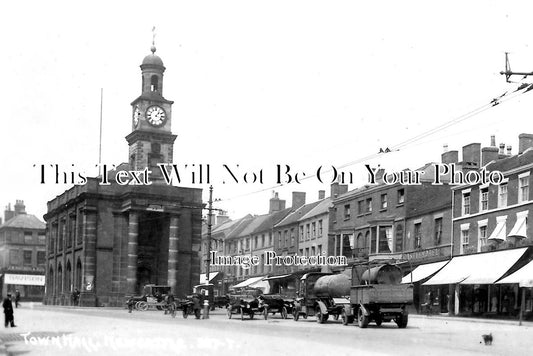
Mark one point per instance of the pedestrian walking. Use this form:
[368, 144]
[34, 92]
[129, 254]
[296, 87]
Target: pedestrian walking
[17, 298]
[75, 297]
[8, 312]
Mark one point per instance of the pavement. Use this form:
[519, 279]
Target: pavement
[53, 330]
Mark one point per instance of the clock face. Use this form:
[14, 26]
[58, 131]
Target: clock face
[155, 115]
[136, 116]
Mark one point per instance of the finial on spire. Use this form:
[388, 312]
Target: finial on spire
[153, 41]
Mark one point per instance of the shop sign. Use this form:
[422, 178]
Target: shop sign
[425, 254]
[24, 279]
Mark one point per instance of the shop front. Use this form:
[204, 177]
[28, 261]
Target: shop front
[30, 286]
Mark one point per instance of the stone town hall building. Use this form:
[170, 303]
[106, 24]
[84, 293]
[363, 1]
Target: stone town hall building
[108, 241]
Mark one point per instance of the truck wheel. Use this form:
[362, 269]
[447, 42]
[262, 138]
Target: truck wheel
[402, 320]
[320, 318]
[344, 317]
[362, 319]
[284, 313]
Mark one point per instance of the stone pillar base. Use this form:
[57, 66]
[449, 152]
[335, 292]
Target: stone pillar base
[87, 299]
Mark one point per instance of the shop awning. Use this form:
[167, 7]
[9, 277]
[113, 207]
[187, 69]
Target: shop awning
[423, 271]
[249, 282]
[277, 277]
[481, 268]
[499, 231]
[211, 276]
[519, 228]
[524, 276]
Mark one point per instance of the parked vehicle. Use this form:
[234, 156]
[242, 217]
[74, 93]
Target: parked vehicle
[153, 297]
[245, 303]
[377, 296]
[321, 295]
[274, 303]
[192, 305]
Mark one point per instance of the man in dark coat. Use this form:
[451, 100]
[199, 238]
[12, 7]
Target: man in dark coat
[8, 312]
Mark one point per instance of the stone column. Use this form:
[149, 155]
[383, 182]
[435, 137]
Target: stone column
[133, 234]
[173, 252]
[88, 297]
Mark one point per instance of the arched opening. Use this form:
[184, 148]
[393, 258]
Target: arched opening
[78, 275]
[154, 83]
[68, 277]
[59, 282]
[51, 280]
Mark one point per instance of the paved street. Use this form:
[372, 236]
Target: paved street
[46, 330]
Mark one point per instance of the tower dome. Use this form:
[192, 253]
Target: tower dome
[152, 59]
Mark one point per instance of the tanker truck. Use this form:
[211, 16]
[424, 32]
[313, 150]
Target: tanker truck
[322, 295]
[377, 295]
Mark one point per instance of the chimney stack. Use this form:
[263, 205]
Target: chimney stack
[502, 149]
[471, 156]
[450, 157]
[488, 154]
[222, 217]
[525, 141]
[321, 194]
[509, 149]
[20, 208]
[338, 189]
[298, 199]
[8, 213]
[492, 141]
[276, 204]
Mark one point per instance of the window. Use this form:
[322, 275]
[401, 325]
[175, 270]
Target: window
[523, 187]
[399, 238]
[286, 238]
[360, 207]
[27, 237]
[369, 205]
[307, 252]
[27, 257]
[482, 240]
[301, 233]
[256, 242]
[502, 195]
[319, 228]
[418, 235]
[279, 239]
[385, 239]
[347, 212]
[466, 203]
[320, 250]
[313, 229]
[438, 231]
[307, 231]
[401, 196]
[42, 238]
[484, 199]
[40, 258]
[313, 252]
[293, 242]
[383, 204]
[465, 239]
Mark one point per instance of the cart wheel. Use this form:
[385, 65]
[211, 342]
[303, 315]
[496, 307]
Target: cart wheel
[362, 319]
[378, 319]
[344, 317]
[265, 313]
[185, 313]
[143, 306]
[295, 314]
[284, 313]
[228, 311]
[402, 320]
[136, 305]
[319, 317]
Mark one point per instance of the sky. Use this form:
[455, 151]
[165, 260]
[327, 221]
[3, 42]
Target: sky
[259, 84]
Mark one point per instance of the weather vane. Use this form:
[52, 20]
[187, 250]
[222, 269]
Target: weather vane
[153, 40]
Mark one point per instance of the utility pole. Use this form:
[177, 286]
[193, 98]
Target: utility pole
[508, 72]
[208, 259]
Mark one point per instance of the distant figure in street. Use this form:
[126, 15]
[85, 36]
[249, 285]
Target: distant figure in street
[75, 296]
[8, 312]
[17, 298]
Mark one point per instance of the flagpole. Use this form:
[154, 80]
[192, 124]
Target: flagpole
[100, 138]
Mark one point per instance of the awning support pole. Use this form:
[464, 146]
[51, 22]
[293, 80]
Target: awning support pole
[522, 304]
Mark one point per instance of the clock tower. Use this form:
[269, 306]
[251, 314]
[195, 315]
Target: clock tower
[151, 140]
